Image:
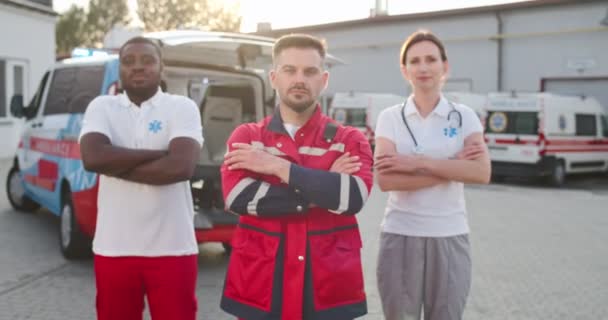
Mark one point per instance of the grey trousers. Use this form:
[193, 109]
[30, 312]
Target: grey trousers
[418, 271]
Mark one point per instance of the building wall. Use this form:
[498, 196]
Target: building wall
[538, 43]
[28, 37]
[372, 54]
[548, 42]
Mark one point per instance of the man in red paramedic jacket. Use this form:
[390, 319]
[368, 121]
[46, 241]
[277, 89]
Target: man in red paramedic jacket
[297, 179]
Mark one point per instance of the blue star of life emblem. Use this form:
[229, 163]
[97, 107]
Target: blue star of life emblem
[155, 126]
[449, 132]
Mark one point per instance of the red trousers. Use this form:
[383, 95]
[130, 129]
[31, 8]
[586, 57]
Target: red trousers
[169, 283]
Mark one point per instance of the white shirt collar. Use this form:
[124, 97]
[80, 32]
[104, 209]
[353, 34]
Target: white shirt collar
[154, 100]
[442, 109]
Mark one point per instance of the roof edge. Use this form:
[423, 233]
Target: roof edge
[421, 15]
[30, 6]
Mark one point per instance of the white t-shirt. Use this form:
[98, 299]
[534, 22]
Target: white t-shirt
[135, 219]
[291, 129]
[437, 211]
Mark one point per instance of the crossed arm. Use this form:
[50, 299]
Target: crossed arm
[407, 172]
[155, 167]
[342, 190]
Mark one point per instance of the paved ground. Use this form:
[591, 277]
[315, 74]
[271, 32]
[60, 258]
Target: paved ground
[538, 253]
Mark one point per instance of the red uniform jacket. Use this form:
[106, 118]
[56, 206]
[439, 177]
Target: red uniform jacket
[292, 261]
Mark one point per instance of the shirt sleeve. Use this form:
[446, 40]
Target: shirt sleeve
[95, 118]
[246, 193]
[470, 122]
[385, 125]
[187, 121]
[339, 193]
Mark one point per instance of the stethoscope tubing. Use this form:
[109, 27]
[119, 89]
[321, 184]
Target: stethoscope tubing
[409, 130]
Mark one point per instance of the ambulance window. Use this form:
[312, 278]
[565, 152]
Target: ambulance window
[73, 88]
[89, 80]
[350, 117]
[586, 125]
[60, 91]
[605, 125]
[512, 122]
[32, 108]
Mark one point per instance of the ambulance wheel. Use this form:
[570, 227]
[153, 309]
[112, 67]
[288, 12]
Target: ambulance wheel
[558, 174]
[227, 247]
[16, 193]
[73, 243]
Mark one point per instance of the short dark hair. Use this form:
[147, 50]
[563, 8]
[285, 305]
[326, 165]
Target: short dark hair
[298, 40]
[419, 36]
[140, 39]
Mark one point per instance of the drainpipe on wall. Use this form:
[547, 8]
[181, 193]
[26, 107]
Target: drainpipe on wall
[499, 45]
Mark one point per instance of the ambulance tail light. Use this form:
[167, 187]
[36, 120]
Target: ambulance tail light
[542, 144]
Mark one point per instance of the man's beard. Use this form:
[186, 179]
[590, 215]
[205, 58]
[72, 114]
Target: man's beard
[298, 106]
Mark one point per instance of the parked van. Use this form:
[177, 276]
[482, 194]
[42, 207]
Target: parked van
[361, 110]
[546, 135]
[226, 74]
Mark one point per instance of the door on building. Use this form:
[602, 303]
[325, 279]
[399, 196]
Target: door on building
[13, 80]
[596, 87]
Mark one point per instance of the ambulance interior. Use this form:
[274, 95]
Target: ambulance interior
[225, 100]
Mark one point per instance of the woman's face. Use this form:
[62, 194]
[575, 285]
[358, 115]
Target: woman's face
[423, 67]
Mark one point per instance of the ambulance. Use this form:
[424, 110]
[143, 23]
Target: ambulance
[225, 74]
[546, 135]
[475, 101]
[361, 110]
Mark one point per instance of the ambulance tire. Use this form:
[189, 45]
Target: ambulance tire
[73, 243]
[16, 193]
[558, 174]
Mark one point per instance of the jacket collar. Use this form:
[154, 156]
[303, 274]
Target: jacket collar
[276, 122]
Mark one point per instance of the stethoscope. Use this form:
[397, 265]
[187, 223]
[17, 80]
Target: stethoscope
[454, 117]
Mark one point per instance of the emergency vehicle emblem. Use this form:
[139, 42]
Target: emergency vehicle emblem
[498, 122]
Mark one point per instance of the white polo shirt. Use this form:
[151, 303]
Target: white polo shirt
[135, 219]
[437, 211]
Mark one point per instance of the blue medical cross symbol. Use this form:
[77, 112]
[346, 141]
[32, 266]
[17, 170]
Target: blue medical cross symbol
[449, 132]
[155, 126]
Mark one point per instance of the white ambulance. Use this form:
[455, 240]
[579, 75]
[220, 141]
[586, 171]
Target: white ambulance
[546, 135]
[361, 110]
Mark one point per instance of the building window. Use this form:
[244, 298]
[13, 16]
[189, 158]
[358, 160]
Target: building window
[2, 88]
[18, 80]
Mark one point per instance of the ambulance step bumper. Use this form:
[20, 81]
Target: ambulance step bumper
[541, 168]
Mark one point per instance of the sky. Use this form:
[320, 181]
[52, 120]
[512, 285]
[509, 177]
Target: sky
[291, 13]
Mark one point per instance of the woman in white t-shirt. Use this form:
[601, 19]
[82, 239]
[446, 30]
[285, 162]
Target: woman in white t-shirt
[426, 149]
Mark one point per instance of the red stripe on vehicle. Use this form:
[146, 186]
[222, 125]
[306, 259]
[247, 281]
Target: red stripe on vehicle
[59, 148]
[513, 141]
[600, 149]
